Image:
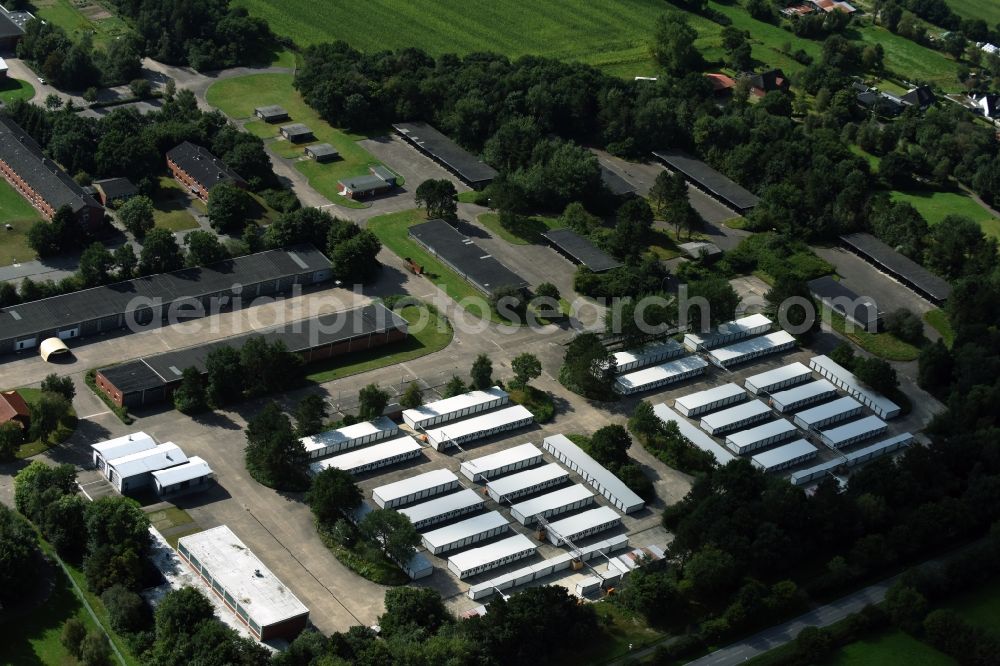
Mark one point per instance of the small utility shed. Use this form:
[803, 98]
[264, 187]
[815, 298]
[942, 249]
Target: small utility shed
[701, 250]
[297, 133]
[271, 114]
[322, 152]
[579, 250]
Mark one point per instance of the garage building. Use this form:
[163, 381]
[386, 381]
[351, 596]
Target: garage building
[672, 372]
[501, 462]
[845, 380]
[582, 525]
[192, 476]
[551, 504]
[694, 435]
[828, 413]
[478, 427]
[784, 456]
[654, 352]
[119, 447]
[708, 180]
[465, 532]
[443, 508]
[748, 350]
[729, 332]
[449, 409]
[735, 418]
[902, 268]
[593, 472]
[580, 250]
[477, 560]
[528, 482]
[414, 488]
[134, 472]
[470, 169]
[702, 402]
[796, 398]
[778, 379]
[372, 457]
[349, 437]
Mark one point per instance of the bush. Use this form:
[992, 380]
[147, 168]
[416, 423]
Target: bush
[905, 325]
[73, 633]
[127, 611]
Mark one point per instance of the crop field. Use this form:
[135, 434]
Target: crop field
[934, 206]
[988, 10]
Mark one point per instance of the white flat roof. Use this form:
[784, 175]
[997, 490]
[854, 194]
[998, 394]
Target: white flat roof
[772, 429]
[857, 428]
[526, 479]
[479, 423]
[606, 479]
[194, 468]
[453, 404]
[369, 454]
[555, 499]
[483, 555]
[827, 409]
[708, 396]
[120, 447]
[151, 460]
[886, 405]
[230, 562]
[892, 443]
[513, 455]
[803, 392]
[784, 453]
[440, 505]
[414, 484]
[736, 326]
[652, 350]
[784, 373]
[662, 371]
[759, 343]
[733, 414]
[696, 436]
[349, 433]
[465, 528]
[583, 521]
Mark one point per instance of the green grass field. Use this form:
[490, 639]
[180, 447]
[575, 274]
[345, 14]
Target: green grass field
[170, 206]
[82, 16]
[528, 232]
[938, 319]
[988, 10]
[935, 206]
[768, 41]
[237, 97]
[981, 607]
[12, 89]
[17, 212]
[911, 60]
[883, 345]
[63, 433]
[890, 649]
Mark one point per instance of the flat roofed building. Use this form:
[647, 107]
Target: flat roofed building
[735, 418]
[470, 169]
[697, 437]
[501, 462]
[860, 311]
[248, 588]
[731, 331]
[851, 433]
[606, 483]
[508, 488]
[709, 180]
[465, 532]
[762, 436]
[477, 560]
[371, 457]
[11, 30]
[364, 186]
[845, 380]
[449, 409]
[582, 525]
[551, 504]
[199, 170]
[271, 114]
[322, 152]
[349, 437]
[866, 453]
[194, 475]
[134, 471]
[580, 250]
[112, 190]
[478, 267]
[479, 427]
[660, 375]
[782, 457]
[702, 402]
[814, 473]
[119, 447]
[297, 133]
[913, 275]
[443, 508]
[654, 352]
[828, 413]
[700, 250]
[778, 379]
[414, 488]
[796, 398]
[748, 350]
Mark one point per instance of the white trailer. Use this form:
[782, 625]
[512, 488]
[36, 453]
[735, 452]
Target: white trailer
[697, 437]
[502, 462]
[414, 488]
[477, 560]
[728, 332]
[845, 380]
[478, 427]
[372, 457]
[748, 350]
[654, 352]
[761, 437]
[660, 375]
[778, 379]
[465, 532]
[582, 525]
[787, 455]
[702, 402]
[606, 483]
[456, 407]
[851, 433]
[528, 482]
[443, 508]
[792, 399]
[551, 504]
[734, 418]
[349, 437]
[828, 413]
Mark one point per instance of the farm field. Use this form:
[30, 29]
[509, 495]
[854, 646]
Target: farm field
[988, 10]
[17, 212]
[768, 41]
[237, 97]
[84, 16]
[890, 649]
[935, 206]
[911, 60]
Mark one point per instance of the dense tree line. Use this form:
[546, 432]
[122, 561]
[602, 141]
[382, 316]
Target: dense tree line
[78, 65]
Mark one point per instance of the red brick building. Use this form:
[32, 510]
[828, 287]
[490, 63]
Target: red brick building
[199, 170]
[13, 409]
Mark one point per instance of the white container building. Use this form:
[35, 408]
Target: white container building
[748, 350]
[606, 483]
[872, 451]
[761, 437]
[820, 471]
[778, 379]
[853, 432]
[786, 455]
[828, 413]
[456, 407]
[443, 508]
[478, 427]
[372, 457]
[792, 399]
[530, 481]
[135, 472]
[349, 437]
[660, 375]
[501, 462]
[696, 436]
[845, 380]
[464, 533]
[582, 525]
[192, 476]
[120, 447]
[477, 560]
[418, 567]
[702, 402]
[655, 352]
[414, 488]
[588, 586]
[735, 418]
[551, 504]
[731, 331]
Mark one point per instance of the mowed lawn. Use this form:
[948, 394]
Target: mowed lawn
[890, 649]
[19, 214]
[910, 60]
[981, 607]
[239, 96]
[82, 17]
[12, 89]
[988, 10]
[935, 206]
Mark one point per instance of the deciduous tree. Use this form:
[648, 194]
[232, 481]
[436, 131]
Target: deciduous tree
[332, 494]
[136, 215]
[526, 367]
[372, 402]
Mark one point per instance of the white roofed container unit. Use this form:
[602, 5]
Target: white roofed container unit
[530, 481]
[582, 525]
[784, 456]
[443, 508]
[194, 475]
[465, 532]
[349, 437]
[731, 331]
[809, 474]
[702, 402]
[845, 380]
[660, 375]
[551, 504]
[119, 447]
[654, 352]
[745, 441]
[371, 457]
[606, 483]
[694, 435]
[748, 350]
[418, 567]
[828, 413]
[796, 398]
[778, 379]
[866, 453]
[477, 560]
[501, 462]
[456, 407]
[735, 418]
[135, 472]
[851, 433]
[414, 488]
[478, 427]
